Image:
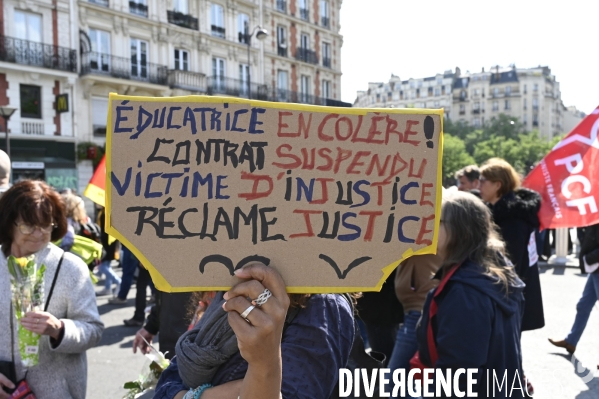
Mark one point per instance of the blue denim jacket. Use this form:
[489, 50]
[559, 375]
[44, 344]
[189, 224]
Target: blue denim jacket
[314, 346]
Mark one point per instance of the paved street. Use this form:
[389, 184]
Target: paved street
[551, 370]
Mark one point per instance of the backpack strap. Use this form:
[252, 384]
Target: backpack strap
[53, 282]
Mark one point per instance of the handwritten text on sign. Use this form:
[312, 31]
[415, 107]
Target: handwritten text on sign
[201, 186]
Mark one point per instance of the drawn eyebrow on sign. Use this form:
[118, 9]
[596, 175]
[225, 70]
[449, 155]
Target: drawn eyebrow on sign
[353, 264]
[228, 263]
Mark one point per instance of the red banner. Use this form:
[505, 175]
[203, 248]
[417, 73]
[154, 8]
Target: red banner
[568, 178]
[96, 188]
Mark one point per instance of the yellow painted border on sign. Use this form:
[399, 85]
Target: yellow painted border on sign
[161, 283]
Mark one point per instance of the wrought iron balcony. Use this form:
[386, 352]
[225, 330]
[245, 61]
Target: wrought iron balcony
[238, 88]
[288, 96]
[123, 68]
[306, 55]
[218, 31]
[242, 37]
[192, 81]
[42, 55]
[326, 62]
[282, 51]
[325, 22]
[103, 3]
[138, 9]
[183, 20]
[282, 5]
[304, 14]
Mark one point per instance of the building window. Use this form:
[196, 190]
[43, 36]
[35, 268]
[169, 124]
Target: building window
[305, 41]
[326, 89]
[462, 109]
[217, 16]
[507, 105]
[508, 91]
[525, 104]
[31, 100]
[303, 9]
[439, 81]
[326, 54]
[281, 5]
[139, 58]
[100, 57]
[535, 103]
[28, 26]
[524, 89]
[495, 106]
[305, 89]
[180, 6]
[535, 88]
[437, 92]
[496, 92]
[138, 7]
[476, 122]
[181, 60]
[99, 116]
[525, 118]
[244, 76]
[324, 13]
[282, 86]
[281, 41]
[218, 74]
[243, 28]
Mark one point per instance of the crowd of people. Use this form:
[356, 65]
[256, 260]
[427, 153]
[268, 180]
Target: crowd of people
[464, 307]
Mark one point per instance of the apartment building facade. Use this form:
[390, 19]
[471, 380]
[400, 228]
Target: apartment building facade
[38, 76]
[530, 94]
[274, 50]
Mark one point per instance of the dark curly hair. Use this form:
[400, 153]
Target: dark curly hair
[35, 203]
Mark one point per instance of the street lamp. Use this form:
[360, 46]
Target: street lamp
[260, 35]
[6, 113]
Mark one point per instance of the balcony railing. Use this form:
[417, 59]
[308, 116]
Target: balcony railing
[326, 62]
[288, 96]
[234, 87]
[32, 128]
[324, 21]
[42, 55]
[183, 20]
[103, 3]
[304, 14]
[476, 111]
[281, 5]
[138, 9]
[192, 81]
[218, 31]
[282, 51]
[241, 37]
[123, 68]
[306, 55]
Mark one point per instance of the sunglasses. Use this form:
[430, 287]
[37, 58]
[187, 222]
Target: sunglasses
[28, 229]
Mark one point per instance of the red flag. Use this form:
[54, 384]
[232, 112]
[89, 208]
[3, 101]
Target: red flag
[568, 178]
[95, 190]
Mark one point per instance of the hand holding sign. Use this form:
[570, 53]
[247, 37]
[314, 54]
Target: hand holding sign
[201, 186]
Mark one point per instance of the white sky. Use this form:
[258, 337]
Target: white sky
[419, 38]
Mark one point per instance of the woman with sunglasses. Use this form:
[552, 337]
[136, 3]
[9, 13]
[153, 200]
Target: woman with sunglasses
[515, 211]
[31, 217]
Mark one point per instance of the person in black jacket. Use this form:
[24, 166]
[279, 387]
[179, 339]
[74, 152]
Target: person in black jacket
[515, 211]
[589, 259]
[169, 317]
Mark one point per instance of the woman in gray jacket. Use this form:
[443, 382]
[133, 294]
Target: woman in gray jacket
[31, 216]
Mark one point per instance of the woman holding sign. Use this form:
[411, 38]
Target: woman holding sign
[515, 211]
[253, 350]
[472, 319]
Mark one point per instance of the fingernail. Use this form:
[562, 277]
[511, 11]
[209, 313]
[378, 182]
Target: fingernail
[238, 271]
[224, 303]
[226, 296]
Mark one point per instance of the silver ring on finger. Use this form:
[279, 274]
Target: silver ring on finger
[262, 298]
[246, 312]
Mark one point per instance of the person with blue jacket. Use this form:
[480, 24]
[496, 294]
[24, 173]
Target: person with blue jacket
[478, 305]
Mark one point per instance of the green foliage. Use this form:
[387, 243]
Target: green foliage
[503, 136]
[455, 157]
[82, 152]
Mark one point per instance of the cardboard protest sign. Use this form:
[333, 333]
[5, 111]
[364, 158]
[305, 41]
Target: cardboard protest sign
[333, 198]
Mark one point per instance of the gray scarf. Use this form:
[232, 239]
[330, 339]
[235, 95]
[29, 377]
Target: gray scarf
[208, 345]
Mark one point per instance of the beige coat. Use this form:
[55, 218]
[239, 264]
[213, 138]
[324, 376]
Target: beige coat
[413, 280]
